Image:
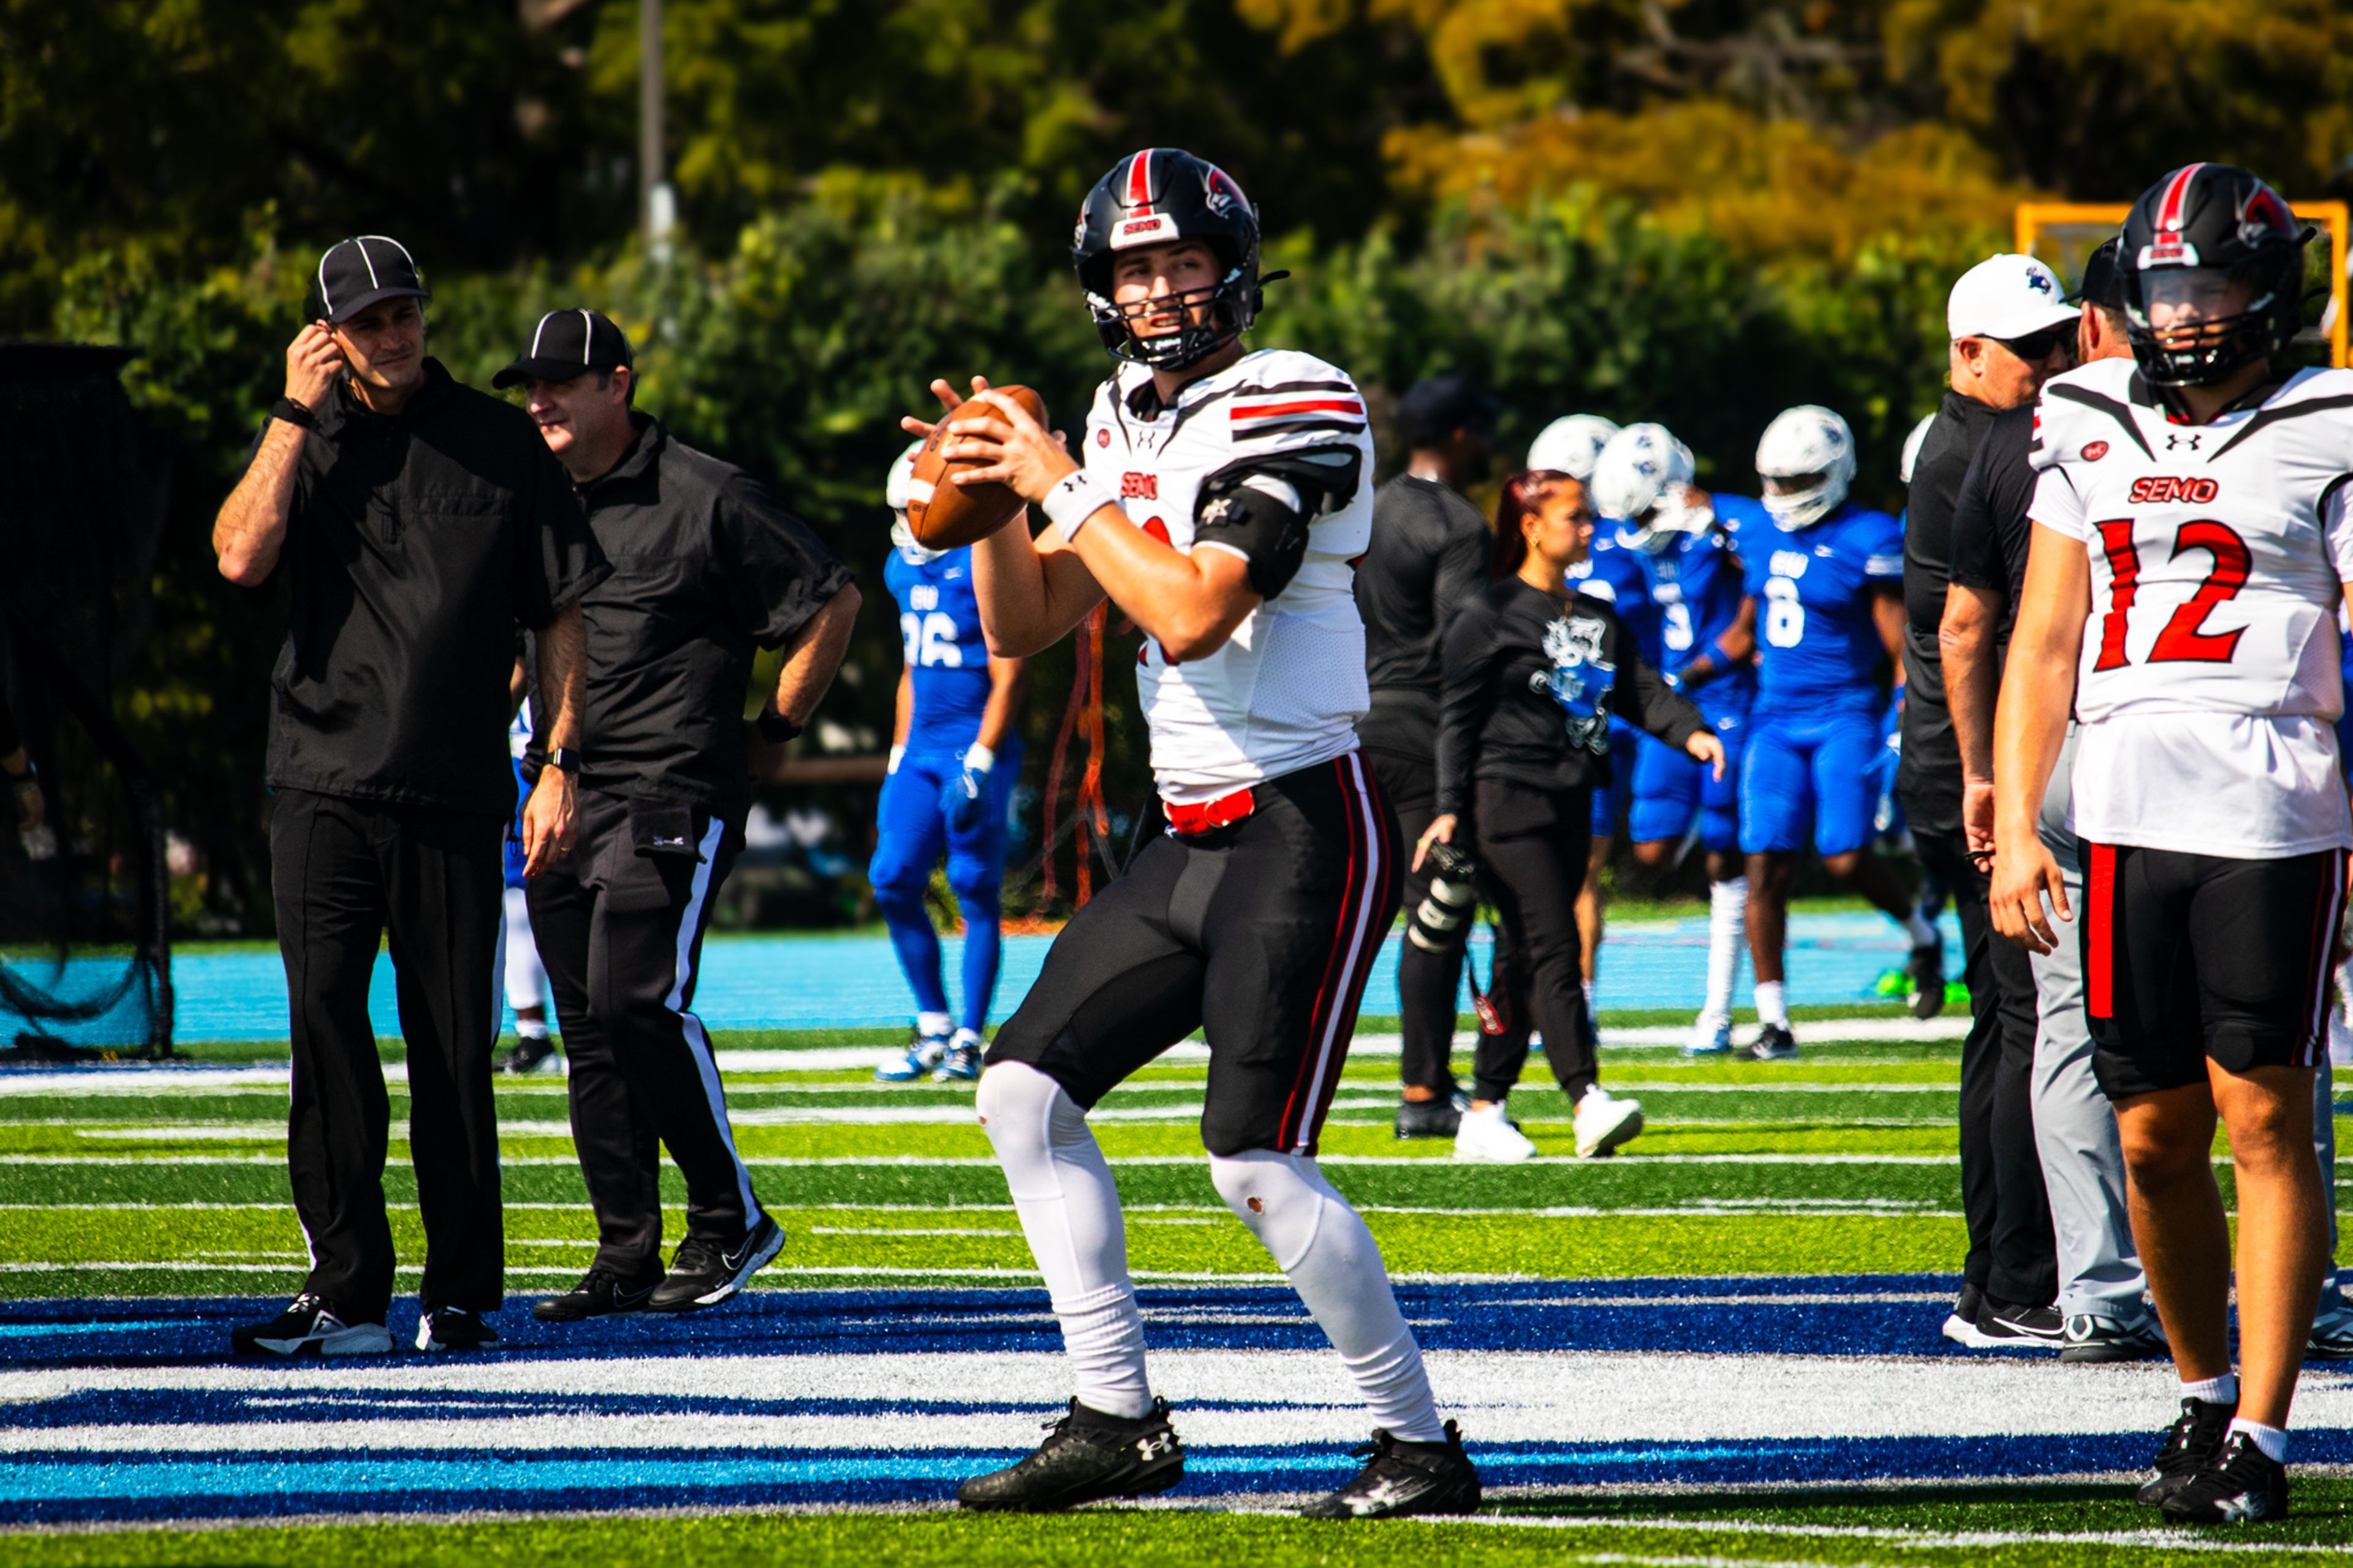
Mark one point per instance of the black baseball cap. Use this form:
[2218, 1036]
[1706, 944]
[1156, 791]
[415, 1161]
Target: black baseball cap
[2103, 281]
[358, 272]
[1438, 404]
[567, 343]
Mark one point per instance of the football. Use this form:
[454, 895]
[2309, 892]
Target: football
[948, 516]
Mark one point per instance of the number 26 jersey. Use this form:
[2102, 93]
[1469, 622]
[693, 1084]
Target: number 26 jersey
[2210, 678]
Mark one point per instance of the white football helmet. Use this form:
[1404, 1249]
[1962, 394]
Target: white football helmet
[1643, 478]
[895, 492]
[1570, 445]
[1912, 448]
[1802, 441]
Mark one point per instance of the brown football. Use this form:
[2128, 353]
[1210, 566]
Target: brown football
[948, 516]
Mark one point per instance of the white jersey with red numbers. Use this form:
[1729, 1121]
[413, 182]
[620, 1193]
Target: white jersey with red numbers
[2210, 677]
[1286, 690]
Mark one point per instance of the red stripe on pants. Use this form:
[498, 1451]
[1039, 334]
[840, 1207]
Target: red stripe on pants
[2099, 958]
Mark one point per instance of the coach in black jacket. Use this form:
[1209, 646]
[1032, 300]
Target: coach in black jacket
[705, 565]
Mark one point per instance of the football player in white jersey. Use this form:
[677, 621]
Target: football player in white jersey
[2190, 547]
[1223, 496]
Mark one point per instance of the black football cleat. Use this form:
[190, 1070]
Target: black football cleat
[531, 1053]
[1441, 1118]
[1925, 973]
[1402, 1479]
[2239, 1484]
[1087, 1456]
[703, 1273]
[454, 1329]
[1774, 1043]
[2091, 1337]
[600, 1293]
[310, 1325]
[2190, 1444]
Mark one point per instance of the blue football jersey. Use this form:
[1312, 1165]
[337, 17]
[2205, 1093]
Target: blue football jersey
[1817, 646]
[1695, 586]
[939, 627]
[1614, 573]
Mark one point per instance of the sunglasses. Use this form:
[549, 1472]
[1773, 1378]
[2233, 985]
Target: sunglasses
[2039, 345]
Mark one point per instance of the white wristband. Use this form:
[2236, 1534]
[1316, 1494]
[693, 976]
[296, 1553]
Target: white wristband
[1069, 504]
[978, 759]
[896, 752]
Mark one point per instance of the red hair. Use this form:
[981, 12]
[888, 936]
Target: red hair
[1525, 494]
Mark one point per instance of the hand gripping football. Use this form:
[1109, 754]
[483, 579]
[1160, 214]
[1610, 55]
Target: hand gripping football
[945, 515]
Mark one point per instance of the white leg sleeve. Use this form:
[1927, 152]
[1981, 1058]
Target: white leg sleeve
[1069, 1212]
[1727, 929]
[1331, 1258]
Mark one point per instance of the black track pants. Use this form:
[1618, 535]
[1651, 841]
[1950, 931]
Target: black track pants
[1429, 983]
[344, 872]
[621, 935]
[1533, 846]
[2012, 1254]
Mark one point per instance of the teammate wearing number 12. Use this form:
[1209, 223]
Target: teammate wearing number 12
[2189, 549]
[1223, 498]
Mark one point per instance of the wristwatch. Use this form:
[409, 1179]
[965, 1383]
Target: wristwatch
[564, 759]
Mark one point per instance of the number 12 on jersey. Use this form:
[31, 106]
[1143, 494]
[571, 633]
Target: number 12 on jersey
[2180, 640]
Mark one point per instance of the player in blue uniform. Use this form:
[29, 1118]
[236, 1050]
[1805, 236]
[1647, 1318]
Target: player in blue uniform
[518, 959]
[1702, 625]
[955, 758]
[1828, 578]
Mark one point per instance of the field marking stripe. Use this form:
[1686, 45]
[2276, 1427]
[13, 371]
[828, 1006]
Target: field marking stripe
[2169, 1540]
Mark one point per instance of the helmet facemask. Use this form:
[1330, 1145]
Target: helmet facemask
[2196, 326]
[1210, 318]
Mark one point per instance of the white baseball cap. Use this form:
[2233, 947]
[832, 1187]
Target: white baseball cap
[2006, 297]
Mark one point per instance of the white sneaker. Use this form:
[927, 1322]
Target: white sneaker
[1710, 1038]
[1490, 1135]
[1604, 1121]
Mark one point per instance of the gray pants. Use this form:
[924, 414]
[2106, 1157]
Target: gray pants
[2075, 1125]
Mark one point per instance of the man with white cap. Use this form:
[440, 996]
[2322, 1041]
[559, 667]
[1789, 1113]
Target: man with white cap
[2013, 328]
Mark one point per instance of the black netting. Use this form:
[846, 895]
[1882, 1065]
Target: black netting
[85, 957]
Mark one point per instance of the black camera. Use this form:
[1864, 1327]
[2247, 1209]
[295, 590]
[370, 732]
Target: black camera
[1441, 920]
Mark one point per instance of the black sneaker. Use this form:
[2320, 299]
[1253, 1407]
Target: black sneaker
[2190, 1444]
[599, 1293]
[703, 1273]
[2240, 1484]
[1087, 1456]
[1440, 1118]
[1961, 1322]
[2093, 1338]
[1926, 972]
[1774, 1043]
[311, 1326]
[454, 1329]
[530, 1054]
[1400, 1479]
[2001, 1326]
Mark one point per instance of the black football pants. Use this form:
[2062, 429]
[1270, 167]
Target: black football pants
[1533, 846]
[620, 932]
[343, 873]
[2012, 1255]
[1429, 983]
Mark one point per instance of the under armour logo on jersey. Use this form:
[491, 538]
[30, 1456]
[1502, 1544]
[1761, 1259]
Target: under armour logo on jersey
[2176, 439]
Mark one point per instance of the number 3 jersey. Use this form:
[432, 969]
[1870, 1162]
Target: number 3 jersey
[2210, 677]
[947, 659]
[1286, 690]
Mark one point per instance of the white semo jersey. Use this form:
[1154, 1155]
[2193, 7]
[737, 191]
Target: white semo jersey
[1286, 690]
[2210, 677]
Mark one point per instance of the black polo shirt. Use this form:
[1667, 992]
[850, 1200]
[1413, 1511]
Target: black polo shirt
[416, 544]
[1991, 527]
[1428, 558]
[1928, 775]
[705, 565]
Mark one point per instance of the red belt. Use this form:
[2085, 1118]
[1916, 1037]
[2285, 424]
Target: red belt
[1203, 816]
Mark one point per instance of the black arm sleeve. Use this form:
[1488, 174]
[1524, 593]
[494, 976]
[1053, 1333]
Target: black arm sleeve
[1469, 655]
[1265, 529]
[780, 574]
[1658, 708]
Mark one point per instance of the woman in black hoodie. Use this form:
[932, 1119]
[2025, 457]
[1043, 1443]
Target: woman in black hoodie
[1533, 673]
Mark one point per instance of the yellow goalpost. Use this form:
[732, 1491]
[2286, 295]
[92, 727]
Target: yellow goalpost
[2065, 233]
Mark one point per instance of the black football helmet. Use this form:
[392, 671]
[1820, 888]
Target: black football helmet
[1151, 197]
[2191, 237]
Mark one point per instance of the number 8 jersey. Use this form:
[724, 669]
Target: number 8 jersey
[2210, 677]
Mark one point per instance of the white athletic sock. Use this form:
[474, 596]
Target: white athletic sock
[933, 1025]
[2340, 1040]
[1727, 923]
[2270, 1439]
[1588, 1000]
[532, 1029]
[1922, 933]
[1321, 1245]
[2222, 1390]
[1069, 1212]
[1770, 1008]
